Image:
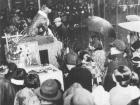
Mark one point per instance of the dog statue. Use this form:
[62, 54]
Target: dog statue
[40, 19]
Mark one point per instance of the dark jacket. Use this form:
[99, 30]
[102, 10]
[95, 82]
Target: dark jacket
[62, 32]
[80, 75]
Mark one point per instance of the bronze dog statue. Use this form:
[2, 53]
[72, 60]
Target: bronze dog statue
[41, 18]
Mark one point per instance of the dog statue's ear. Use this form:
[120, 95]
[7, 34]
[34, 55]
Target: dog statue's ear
[43, 7]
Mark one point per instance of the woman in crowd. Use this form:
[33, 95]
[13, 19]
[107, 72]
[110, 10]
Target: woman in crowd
[98, 54]
[7, 93]
[123, 93]
[136, 56]
[18, 79]
[61, 30]
[84, 80]
[81, 73]
[26, 96]
[116, 57]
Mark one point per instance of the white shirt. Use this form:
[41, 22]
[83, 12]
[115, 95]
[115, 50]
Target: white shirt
[100, 96]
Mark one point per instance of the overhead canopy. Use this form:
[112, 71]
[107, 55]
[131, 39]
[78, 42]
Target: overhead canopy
[104, 27]
[131, 26]
[133, 18]
[99, 24]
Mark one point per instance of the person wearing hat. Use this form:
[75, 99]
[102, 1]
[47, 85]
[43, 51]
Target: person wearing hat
[61, 29]
[136, 56]
[81, 75]
[90, 63]
[83, 72]
[49, 93]
[116, 57]
[17, 79]
[123, 93]
[98, 53]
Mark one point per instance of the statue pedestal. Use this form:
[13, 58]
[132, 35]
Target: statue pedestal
[50, 47]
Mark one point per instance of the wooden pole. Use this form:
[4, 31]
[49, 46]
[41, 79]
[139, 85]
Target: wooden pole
[9, 5]
[104, 8]
[39, 4]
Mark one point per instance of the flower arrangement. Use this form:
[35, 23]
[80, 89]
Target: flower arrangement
[14, 52]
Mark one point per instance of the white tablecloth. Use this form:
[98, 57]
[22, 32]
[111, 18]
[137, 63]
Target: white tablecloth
[48, 72]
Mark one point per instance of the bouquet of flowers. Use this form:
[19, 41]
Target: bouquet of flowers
[14, 52]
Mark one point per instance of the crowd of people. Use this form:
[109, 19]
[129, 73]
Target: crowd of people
[88, 82]
[94, 76]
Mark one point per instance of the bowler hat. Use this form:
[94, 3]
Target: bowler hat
[49, 90]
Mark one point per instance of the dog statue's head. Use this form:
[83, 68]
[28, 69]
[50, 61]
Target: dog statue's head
[45, 9]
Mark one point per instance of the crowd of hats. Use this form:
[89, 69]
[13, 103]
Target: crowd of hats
[79, 90]
[79, 82]
[49, 90]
